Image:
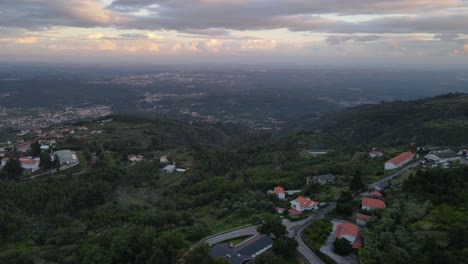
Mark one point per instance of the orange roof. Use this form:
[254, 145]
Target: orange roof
[402, 157]
[362, 217]
[305, 202]
[294, 212]
[346, 229]
[373, 203]
[376, 152]
[278, 190]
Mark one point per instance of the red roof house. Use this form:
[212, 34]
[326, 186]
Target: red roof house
[279, 192]
[351, 233]
[301, 204]
[370, 203]
[399, 160]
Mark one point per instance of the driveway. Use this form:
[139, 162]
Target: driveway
[232, 234]
[327, 247]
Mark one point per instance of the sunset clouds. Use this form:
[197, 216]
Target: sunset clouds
[247, 29]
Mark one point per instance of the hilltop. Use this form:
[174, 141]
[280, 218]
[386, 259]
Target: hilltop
[436, 120]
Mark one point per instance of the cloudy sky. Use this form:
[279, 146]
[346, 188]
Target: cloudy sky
[302, 32]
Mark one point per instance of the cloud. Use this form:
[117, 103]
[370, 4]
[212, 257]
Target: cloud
[335, 40]
[447, 36]
[465, 48]
[30, 40]
[95, 36]
[151, 35]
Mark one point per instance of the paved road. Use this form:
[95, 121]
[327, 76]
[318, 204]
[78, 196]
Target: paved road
[383, 183]
[246, 231]
[295, 230]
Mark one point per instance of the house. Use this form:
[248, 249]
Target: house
[82, 128]
[362, 219]
[163, 159]
[279, 192]
[245, 252]
[399, 160]
[169, 169]
[294, 212]
[318, 152]
[279, 210]
[135, 158]
[66, 157]
[28, 163]
[351, 233]
[302, 204]
[375, 154]
[24, 146]
[325, 179]
[370, 203]
[443, 156]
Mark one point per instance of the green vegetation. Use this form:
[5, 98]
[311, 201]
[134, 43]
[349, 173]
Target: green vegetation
[436, 120]
[342, 247]
[318, 232]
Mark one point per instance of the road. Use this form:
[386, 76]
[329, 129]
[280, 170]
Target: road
[240, 232]
[383, 183]
[296, 229]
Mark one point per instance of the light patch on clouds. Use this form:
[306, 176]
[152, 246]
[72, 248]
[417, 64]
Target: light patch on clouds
[152, 35]
[95, 36]
[30, 40]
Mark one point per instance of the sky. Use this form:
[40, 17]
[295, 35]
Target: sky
[417, 33]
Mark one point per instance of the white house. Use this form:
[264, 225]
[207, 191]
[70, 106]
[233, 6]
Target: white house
[302, 204]
[163, 159]
[399, 160]
[27, 163]
[375, 154]
[279, 192]
[135, 158]
[66, 157]
[169, 169]
[443, 156]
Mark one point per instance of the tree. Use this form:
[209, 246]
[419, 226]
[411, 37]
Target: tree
[45, 161]
[285, 246]
[272, 226]
[35, 148]
[269, 258]
[13, 169]
[56, 162]
[342, 247]
[357, 184]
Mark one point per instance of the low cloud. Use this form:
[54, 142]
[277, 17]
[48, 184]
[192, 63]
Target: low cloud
[336, 40]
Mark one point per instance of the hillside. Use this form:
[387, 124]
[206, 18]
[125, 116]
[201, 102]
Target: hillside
[437, 120]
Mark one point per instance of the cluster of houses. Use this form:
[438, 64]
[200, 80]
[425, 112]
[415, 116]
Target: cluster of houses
[298, 205]
[168, 168]
[32, 164]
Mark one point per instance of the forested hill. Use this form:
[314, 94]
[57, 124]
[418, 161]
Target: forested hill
[141, 132]
[437, 120]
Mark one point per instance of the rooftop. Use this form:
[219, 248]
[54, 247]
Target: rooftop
[401, 158]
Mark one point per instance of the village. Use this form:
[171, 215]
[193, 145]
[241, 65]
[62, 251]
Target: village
[305, 210]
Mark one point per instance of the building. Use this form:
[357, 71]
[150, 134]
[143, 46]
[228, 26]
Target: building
[325, 179]
[375, 194]
[375, 154]
[362, 219]
[245, 252]
[169, 169]
[349, 232]
[30, 164]
[135, 158]
[371, 204]
[318, 152]
[279, 192]
[443, 156]
[399, 160]
[302, 204]
[163, 159]
[279, 210]
[66, 157]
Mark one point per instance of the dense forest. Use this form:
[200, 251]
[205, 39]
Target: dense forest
[110, 210]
